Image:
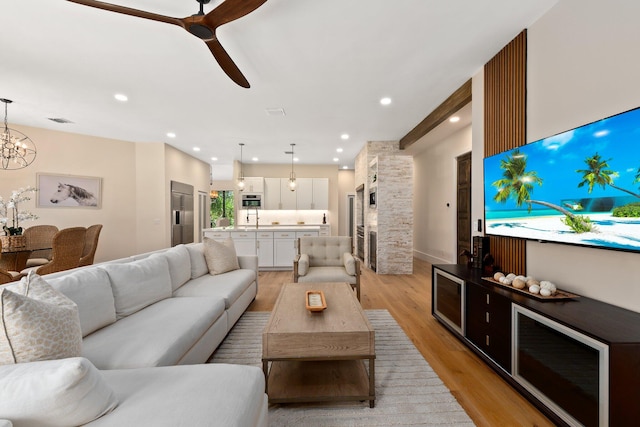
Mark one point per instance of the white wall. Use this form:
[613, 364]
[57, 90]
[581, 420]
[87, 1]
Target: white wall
[582, 66]
[134, 210]
[435, 178]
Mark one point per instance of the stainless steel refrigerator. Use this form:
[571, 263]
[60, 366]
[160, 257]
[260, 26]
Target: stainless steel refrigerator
[181, 213]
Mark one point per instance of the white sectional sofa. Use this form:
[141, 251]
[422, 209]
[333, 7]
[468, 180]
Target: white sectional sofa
[141, 316]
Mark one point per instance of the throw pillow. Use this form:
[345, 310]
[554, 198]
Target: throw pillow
[65, 392]
[349, 263]
[303, 264]
[220, 257]
[37, 323]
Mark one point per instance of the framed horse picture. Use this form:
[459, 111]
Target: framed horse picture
[70, 191]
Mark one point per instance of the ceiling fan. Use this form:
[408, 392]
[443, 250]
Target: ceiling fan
[200, 25]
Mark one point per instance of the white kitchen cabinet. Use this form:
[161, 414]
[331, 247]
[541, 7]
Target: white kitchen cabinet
[271, 194]
[307, 233]
[287, 197]
[244, 242]
[284, 248]
[264, 241]
[253, 184]
[219, 236]
[304, 193]
[320, 193]
[313, 193]
[325, 230]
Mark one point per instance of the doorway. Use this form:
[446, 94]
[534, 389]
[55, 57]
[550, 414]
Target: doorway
[463, 213]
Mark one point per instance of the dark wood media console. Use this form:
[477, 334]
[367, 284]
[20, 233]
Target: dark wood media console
[577, 360]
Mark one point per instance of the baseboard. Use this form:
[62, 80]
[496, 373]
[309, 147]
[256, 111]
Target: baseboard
[430, 258]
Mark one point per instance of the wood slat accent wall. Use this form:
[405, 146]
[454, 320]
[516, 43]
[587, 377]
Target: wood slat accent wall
[505, 102]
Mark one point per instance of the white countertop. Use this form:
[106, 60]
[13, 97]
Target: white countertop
[274, 227]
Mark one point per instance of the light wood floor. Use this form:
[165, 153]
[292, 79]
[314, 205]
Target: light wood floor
[488, 399]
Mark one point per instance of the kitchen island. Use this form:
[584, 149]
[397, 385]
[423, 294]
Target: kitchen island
[274, 244]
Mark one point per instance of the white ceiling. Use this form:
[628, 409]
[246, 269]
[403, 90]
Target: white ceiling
[327, 63]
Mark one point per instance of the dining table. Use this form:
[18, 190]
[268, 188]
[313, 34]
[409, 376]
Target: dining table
[15, 258]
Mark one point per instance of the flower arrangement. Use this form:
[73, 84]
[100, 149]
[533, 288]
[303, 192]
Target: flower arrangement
[9, 211]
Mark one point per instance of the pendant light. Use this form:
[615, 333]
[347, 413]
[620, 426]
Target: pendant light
[241, 175]
[18, 150]
[292, 176]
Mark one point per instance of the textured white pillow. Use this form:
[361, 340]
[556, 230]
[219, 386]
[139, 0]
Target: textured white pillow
[66, 392]
[220, 257]
[37, 323]
[349, 263]
[138, 284]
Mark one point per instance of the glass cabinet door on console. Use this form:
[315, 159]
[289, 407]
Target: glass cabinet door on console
[448, 299]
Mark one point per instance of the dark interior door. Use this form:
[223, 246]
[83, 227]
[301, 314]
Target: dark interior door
[464, 205]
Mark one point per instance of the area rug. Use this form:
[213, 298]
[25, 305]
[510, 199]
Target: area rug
[408, 392]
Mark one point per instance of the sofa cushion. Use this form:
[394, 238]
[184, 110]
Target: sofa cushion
[325, 250]
[138, 284]
[37, 323]
[65, 392]
[90, 289]
[198, 263]
[228, 286]
[179, 265]
[220, 256]
[159, 335]
[327, 274]
[215, 395]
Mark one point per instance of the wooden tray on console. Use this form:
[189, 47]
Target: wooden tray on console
[559, 296]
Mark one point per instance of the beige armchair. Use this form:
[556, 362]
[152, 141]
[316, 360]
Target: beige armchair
[326, 259]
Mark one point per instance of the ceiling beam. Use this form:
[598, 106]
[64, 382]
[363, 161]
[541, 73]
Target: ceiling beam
[456, 101]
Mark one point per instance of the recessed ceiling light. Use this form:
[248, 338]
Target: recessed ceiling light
[345, 167]
[335, 159]
[215, 159]
[196, 148]
[121, 97]
[171, 134]
[295, 159]
[255, 159]
[454, 119]
[339, 150]
[344, 136]
[385, 101]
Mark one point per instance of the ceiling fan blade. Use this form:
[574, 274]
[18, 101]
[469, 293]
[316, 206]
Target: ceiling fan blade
[230, 10]
[226, 63]
[129, 11]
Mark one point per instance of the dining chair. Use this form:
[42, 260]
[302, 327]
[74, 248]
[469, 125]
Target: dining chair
[67, 248]
[39, 236]
[90, 244]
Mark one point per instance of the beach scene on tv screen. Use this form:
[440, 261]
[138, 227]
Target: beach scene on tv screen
[580, 187]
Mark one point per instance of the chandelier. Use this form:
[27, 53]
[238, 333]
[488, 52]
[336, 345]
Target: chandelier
[292, 175]
[241, 174]
[18, 150]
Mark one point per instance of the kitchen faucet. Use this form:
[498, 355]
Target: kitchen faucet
[257, 218]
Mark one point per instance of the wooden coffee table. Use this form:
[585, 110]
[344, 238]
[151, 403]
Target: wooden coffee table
[318, 357]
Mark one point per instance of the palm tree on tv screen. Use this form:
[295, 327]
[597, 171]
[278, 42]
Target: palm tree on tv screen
[517, 184]
[598, 173]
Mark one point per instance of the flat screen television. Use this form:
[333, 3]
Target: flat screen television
[578, 187]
